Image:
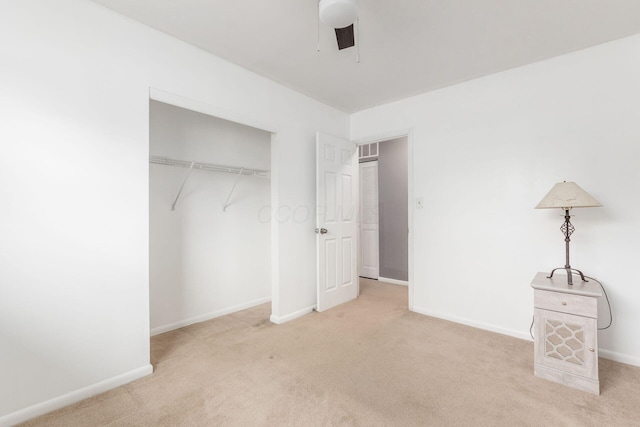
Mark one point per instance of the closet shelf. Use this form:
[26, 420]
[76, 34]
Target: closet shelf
[236, 170]
[239, 171]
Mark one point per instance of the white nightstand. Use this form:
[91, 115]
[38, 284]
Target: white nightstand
[566, 331]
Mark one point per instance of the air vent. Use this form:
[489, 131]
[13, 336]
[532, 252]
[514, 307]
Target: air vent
[345, 37]
[368, 152]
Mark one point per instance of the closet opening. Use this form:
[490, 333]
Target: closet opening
[209, 247]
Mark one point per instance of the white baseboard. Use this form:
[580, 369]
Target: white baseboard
[393, 281]
[475, 324]
[278, 320]
[607, 354]
[207, 316]
[619, 357]
[73, 397]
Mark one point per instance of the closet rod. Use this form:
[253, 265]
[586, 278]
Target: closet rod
[160, 160]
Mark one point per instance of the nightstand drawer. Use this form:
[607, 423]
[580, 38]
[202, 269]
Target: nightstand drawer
[566, 303]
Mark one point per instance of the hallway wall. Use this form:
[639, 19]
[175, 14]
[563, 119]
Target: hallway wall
[393, 200]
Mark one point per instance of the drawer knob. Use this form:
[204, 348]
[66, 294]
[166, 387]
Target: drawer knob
[564, 303]
[591, 350]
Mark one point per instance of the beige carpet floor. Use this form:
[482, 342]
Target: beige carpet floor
[369, 362]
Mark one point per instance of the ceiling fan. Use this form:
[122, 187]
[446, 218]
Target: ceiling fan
[340, 15]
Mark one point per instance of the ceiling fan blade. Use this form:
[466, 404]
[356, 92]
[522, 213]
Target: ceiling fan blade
[345, 37]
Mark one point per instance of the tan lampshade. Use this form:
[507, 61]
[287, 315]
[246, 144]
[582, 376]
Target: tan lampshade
[567, 195]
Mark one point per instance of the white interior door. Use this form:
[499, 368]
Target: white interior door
[369, 240]
[337, 226]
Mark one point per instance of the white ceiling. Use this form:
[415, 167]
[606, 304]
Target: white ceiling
[407, 47]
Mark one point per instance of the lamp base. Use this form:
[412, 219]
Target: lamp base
[569, 275]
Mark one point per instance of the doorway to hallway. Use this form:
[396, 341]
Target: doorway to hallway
[384, 211]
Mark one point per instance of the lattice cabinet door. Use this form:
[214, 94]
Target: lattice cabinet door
[567, 342]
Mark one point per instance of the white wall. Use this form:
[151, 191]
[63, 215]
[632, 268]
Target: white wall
[203, 261]
[74, 300]
[485, 152]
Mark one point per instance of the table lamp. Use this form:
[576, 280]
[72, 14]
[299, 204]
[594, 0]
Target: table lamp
[567, 195]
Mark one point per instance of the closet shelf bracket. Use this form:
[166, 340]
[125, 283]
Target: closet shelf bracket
[186, 178]
[226, 202]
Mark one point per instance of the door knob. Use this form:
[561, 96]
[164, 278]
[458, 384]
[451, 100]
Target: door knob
[321, 231]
